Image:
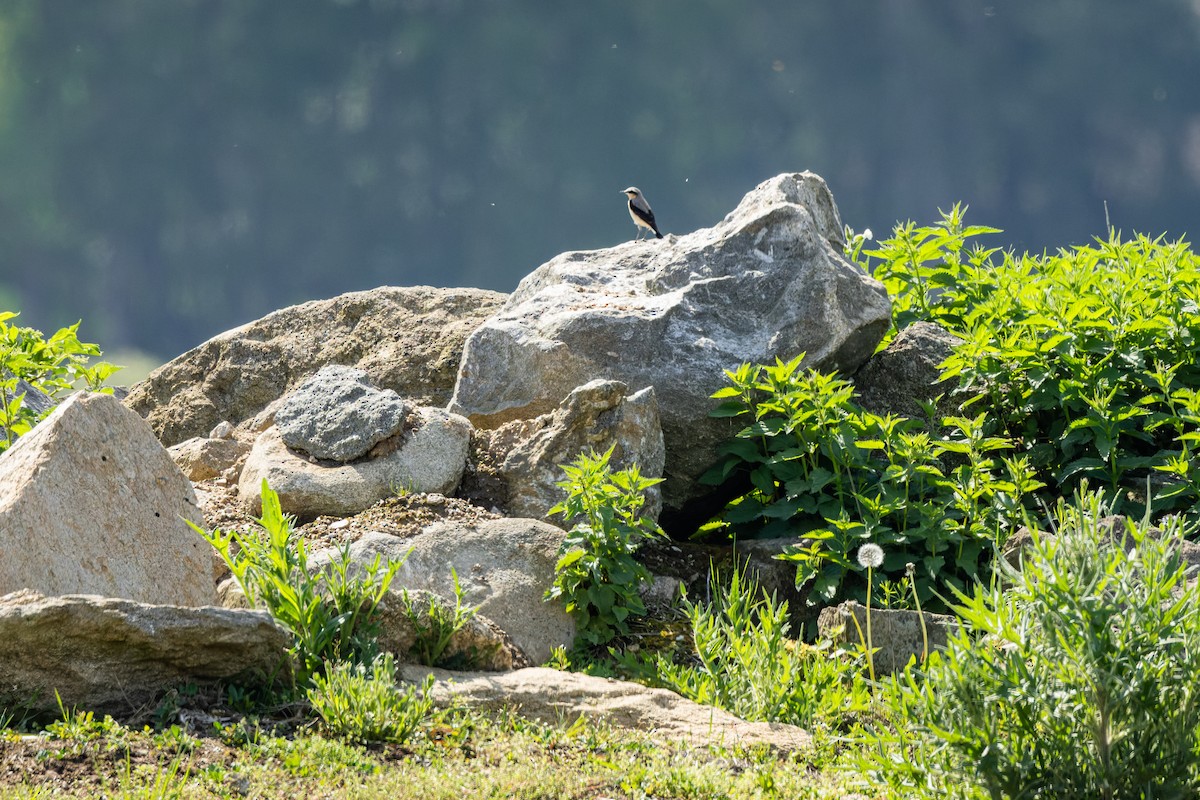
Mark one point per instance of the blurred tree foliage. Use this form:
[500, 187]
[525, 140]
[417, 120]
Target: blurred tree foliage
[171, 168]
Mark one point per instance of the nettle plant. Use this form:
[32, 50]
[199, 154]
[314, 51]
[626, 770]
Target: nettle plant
[824, 468]
[55, 366]
[597, 574]
[1085, 359]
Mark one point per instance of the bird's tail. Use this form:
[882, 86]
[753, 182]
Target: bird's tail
[656, 233]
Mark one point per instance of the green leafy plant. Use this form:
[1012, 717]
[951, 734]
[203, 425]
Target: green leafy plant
[597, 574]
[330, 613]
[745, 662]
[823, 468]
[1082, 359]
[54, 366]
[435, 623]
[362, 703]
[1073, 683]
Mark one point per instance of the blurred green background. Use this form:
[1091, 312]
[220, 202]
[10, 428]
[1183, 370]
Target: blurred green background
[173, 168]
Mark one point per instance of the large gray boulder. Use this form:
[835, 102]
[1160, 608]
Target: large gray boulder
[552, 696]
[90, 503]
[110, 655]
[518, 466]
[428, 458]
[339, 415]
[767, 282]
[504, 567]
[407, 339]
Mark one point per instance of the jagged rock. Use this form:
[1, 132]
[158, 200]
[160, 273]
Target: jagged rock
[897, 380]
[111, 655]
[90, 503]
[504, 567]
[407, 339]
[338, 415]
[428, 458]
[895, 633]
[768, 281]
[552, 696]
[202, 459]
[523, 459]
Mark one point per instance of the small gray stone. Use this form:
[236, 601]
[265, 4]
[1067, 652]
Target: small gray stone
[896, 634]
[338, 415]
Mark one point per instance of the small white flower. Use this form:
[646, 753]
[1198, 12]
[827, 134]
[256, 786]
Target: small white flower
[867, 234]
[870, 556]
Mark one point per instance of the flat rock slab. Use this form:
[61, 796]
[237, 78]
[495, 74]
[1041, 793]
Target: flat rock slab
[553, 696]
[91, 503]
[408, 339]
[767, 282]
[115, 656]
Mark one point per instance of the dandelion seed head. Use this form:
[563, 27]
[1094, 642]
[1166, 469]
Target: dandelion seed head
[870, 556]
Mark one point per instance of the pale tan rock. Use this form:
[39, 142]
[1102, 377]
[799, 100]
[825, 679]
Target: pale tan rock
[202, 459]
[408, 339]
[111, 655]
[504, 567]
[523, 459]
[552, 696]
[429, 458]
[91, 503]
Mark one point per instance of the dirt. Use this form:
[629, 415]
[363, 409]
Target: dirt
[404, 516]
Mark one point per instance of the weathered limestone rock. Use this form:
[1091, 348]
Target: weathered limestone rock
[522, 459]
[895, 633]
[552, 696]
[429, 458]
[407, 339]
[90, 503]
[906, 374]
[109, 655]
[504, 567]
[768, 281]
[338, 415]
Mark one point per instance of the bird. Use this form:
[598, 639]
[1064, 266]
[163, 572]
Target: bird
[639, 209]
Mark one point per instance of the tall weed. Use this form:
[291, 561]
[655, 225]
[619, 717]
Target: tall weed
[1076, 682]
[745, 662]
[328, 613]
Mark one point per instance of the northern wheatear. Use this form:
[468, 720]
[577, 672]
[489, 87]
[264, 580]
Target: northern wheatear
[639, 209]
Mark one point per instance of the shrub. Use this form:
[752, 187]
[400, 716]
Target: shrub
[330, 613]
[364, 704]
[596, 574]
[825, 469]
[1084, 359]
[54, 366]
[1077, 682]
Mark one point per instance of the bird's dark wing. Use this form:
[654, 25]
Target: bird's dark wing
[645, 215]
